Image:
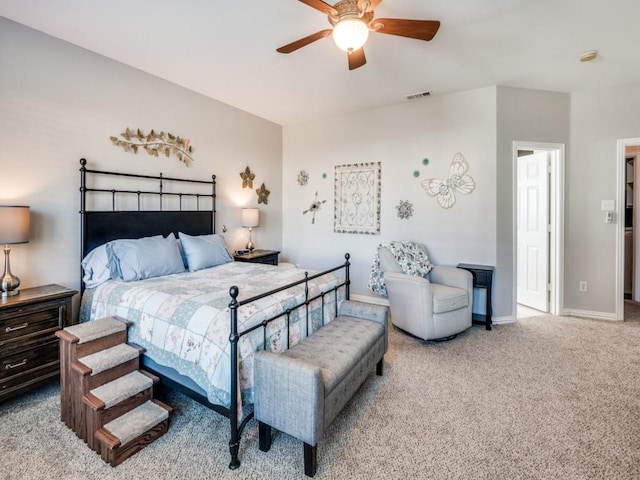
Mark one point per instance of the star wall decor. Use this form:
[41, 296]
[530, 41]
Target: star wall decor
[263, 194]
[313, 208]
[303, 178]
[405, 209]
[247, 178]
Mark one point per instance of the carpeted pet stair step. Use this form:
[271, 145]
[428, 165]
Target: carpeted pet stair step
[90, 331]
[128, 434]
[94, 370]
[113, 399]
[78, 341]
[107, 365]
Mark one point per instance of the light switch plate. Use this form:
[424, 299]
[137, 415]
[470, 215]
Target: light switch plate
[608, 205]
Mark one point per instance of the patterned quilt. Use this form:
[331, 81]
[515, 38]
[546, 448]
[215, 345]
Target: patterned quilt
[183, 320]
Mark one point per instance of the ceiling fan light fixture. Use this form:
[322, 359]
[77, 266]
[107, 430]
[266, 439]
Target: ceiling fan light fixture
[350, 34]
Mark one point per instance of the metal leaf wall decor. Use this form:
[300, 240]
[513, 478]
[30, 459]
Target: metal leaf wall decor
[155, 144]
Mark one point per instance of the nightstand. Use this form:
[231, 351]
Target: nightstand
[259, 256]
[29, 353]
[482, 278]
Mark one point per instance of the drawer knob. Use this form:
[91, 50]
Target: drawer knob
[19, 327]
[9, 366]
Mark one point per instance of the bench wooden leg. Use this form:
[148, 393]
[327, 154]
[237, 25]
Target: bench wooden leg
[310, 459]
[264, 435]
[379, 367]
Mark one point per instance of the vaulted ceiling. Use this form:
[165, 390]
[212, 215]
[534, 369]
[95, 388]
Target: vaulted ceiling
[227, 50]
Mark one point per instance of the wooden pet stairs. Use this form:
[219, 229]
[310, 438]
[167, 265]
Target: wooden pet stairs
[104, 397]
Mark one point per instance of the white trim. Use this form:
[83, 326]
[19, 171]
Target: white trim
[556, 247]
[619, 217]
[503, 320]
[590, 314]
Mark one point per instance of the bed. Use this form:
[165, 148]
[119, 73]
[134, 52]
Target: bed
[200, 326]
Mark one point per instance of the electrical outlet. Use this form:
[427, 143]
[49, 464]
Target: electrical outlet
[583, 286]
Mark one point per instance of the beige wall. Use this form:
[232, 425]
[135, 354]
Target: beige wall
[522, 115]
[399, 137]
[599, 118]
[59, 103]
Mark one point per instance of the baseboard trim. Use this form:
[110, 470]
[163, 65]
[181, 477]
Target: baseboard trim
[590, 314]
[503, 320]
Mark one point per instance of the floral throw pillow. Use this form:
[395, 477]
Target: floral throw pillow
[412, 260]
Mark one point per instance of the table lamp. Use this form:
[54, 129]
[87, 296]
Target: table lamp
[250, 219]
[14, 228]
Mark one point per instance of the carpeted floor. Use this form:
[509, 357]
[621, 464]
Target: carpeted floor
[546, 398]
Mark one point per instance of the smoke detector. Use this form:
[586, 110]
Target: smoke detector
[588, 56]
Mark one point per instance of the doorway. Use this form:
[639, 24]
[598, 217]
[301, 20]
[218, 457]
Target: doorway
[628, 231]
[538, 227]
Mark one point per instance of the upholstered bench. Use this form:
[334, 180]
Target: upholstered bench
[300, 391]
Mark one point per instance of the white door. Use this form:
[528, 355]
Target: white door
[533, 236]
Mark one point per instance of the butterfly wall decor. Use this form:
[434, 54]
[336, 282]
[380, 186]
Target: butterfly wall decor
[459, 181]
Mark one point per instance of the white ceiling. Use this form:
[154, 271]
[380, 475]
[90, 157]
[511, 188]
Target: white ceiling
[227, 50]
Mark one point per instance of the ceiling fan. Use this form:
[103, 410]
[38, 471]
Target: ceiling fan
[352, 20]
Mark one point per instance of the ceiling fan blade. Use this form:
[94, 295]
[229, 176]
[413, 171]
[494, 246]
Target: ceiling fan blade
[372, 4]
[293, 46]
[322, 6]
[356, 58]
[419, 29]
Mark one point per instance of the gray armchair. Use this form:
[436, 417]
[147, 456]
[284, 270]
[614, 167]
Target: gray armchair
[433, 308]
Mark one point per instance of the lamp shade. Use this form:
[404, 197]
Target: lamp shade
[250, 217]
[14, 224]
[350, 34]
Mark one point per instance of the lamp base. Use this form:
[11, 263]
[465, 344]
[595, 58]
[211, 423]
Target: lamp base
[8, 283]
[250, 245]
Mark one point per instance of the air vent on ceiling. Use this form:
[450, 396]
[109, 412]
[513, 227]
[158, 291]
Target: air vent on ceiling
[413, 96]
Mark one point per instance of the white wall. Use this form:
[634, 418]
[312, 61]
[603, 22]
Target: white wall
[59, 103]
[399, 137]
[522, 115]
[598, 119]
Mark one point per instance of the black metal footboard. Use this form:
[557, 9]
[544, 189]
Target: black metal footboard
[237, 425]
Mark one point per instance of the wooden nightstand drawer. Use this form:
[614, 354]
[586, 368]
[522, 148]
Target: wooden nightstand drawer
[28, 379]
[35, 354]
[33, 319]
[29, 352]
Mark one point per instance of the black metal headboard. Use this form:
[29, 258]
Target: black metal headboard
[98, 227]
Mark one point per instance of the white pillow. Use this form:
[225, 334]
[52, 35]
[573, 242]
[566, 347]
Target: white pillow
[204, 251]
[145, 257]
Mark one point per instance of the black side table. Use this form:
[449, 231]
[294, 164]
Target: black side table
[482, 278]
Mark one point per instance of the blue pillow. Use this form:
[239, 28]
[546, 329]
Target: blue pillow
[145, 257]
[96, 267]
[204, 251]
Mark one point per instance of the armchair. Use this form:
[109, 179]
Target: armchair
[437, 307]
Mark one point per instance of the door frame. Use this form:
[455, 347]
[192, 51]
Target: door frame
[623, 143]
[556, 221]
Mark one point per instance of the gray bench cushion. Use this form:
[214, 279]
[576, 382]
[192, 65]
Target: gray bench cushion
[330, 349]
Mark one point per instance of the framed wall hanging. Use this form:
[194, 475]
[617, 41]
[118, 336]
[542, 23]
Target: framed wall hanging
[357, 198]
